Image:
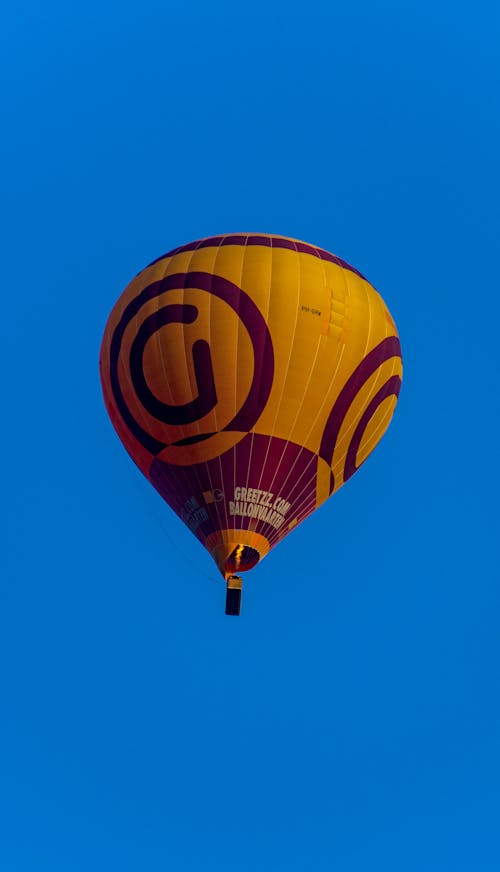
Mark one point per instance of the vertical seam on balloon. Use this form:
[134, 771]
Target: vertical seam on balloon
[181, 470]
[163, 366]
[299, 500]
[341, 349]
[134, 322]
[341, 346]
[260, 524]
[207, 467]
[224, 502]
[188, 481]
[350, 429]
[338, 444]
[252, 438]
[188, 368]
[192, 466]
[289, 440]
[332, 381]
[278, 407]
[135, 399]
[299, 515]
[240, 285]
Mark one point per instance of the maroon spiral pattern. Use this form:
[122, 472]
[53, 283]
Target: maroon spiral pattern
[389, 347]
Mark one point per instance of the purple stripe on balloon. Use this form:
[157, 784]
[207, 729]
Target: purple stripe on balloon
[233, 240]
[389, 347]
[206, 243]
[390, 389]
[289, 244]
[210, 242]
[256, 239]
[309, 249]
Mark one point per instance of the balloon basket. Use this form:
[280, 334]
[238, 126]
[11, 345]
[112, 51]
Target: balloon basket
[233, 595]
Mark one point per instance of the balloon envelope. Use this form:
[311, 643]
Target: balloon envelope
[249, 376]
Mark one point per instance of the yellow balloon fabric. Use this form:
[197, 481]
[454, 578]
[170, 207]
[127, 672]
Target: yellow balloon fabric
[249, 376]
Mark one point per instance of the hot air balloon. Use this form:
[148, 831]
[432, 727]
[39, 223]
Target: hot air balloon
[249, 376]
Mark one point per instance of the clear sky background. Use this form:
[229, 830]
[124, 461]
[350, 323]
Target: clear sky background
[350, 719]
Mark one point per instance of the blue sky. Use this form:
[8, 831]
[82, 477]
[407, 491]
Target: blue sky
[350, 719]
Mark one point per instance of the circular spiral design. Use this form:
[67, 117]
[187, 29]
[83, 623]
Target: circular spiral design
[385, 350]
[254, 323]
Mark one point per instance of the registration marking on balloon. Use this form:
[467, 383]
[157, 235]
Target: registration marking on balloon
[251, 502]
[247, 507]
